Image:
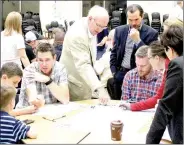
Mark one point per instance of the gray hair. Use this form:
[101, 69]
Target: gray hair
[98, 11]
[142, 51]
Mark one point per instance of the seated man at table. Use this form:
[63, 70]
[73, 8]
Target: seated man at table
[12, 130]
[45, 77]
[11, 74]
[142, 82]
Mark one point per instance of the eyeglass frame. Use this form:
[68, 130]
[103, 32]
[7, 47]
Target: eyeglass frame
[101, 27]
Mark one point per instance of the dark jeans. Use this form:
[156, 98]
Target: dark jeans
[114, 85]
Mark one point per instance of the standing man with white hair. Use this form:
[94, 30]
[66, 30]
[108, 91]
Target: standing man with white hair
[79, 56]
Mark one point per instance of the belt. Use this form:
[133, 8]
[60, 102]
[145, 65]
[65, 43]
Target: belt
[124, 69]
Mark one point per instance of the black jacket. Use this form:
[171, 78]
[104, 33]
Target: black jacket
[147, 35]
[170, 107]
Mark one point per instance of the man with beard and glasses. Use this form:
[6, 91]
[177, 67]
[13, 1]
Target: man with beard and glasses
[127, 39]
[142, 82]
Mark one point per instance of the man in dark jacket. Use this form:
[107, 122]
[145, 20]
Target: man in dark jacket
[170, 107]
[127, 39]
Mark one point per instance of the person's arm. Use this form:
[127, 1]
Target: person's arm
[82, 61]
[152, 37]
[32, 134]
[29, 85]
[60, 91]
[168, 105]
[23, 57]
[151, 102]
[23, 111]
[126, 87]
[113, 56]
[21, 131]
[103, 41]
[21, 50]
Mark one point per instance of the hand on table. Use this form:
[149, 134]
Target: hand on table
[125, 106]
[104, 97]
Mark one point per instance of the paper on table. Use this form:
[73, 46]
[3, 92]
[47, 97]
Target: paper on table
[57, 110]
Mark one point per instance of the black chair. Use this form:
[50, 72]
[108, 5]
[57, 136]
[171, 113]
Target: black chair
[166, 16]
[155, 15]
[146, 19]
[54, 24]
[66, 25]
[156, 24]
[26, 16]
[71, 23]
[116, 19]
[36, 18]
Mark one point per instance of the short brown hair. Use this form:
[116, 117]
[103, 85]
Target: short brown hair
[11, 69]
[45, 47]
[7, 94]
[142, 51]
[157, 49]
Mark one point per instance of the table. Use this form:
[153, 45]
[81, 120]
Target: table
[93, 118]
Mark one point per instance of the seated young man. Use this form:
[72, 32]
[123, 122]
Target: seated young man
[45, 77]
[142, 82]
[12, 130]
[11, 74]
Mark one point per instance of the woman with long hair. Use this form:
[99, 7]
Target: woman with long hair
[12, 41]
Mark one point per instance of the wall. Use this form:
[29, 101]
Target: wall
[163, 7]
[32, 6]
[9, 7]
[59, 11]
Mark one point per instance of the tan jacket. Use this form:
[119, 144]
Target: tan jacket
[78, 56]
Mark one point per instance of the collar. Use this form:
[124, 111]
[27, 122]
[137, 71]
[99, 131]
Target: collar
[3, 112]
[89, 33]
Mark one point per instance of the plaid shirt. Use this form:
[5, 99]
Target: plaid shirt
[58, 75]
[139, 89]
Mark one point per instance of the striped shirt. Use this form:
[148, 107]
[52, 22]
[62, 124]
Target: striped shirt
[138, 89]
[58, 75]
[11, 129]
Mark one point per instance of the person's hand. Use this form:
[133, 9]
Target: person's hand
[135, 35]
[41, 78]
[125, 106]
[30, 109]
[104, 97]
[38, 102]
[102, 42]
[36, 76]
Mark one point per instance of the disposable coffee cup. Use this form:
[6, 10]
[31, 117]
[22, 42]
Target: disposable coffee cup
[116, 130]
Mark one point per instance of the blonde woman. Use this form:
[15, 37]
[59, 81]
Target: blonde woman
[12, 41]
[172, 21]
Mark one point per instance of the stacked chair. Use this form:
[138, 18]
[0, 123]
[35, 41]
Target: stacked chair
[146, 19]
[156, 24]
[116, 19]
[31, 22]
[36, 18]
[166, 16]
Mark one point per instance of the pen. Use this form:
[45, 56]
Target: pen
[83, 138]
[53, 120]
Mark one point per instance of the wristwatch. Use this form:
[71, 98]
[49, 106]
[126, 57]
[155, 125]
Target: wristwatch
[49, 82]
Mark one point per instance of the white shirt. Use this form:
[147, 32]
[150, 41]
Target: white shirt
[93, 43]
[9, 47]
[176, 12]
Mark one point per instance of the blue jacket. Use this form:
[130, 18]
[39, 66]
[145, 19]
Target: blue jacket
[147, 35]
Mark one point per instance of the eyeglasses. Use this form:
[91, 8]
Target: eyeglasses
[98, 25]
[150, 57]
